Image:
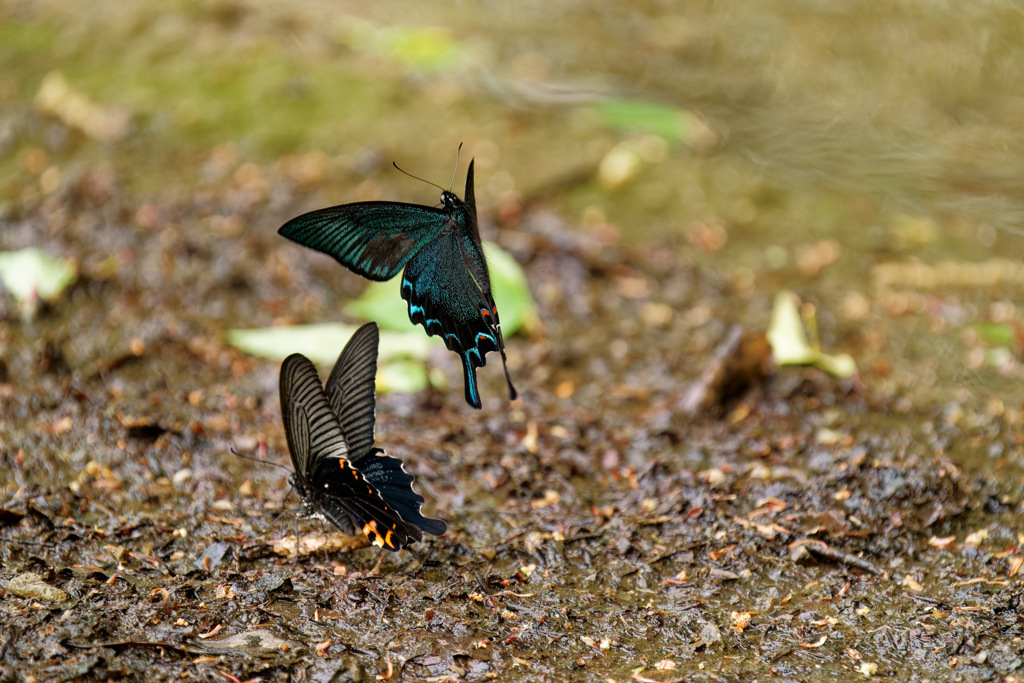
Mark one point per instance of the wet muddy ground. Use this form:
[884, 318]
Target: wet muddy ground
[662, 504]
[799, 528]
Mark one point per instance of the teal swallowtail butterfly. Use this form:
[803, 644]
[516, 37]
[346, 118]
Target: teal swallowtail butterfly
[445, 282]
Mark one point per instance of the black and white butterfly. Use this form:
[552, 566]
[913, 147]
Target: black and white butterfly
[339, 475]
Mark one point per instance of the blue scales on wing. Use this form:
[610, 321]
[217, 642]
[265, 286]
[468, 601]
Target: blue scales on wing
[445, 283]
[448, 292]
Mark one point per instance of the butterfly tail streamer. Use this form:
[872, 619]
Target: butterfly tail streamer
[512, 393]
[469, 375]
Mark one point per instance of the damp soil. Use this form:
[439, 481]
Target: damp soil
[788, 525]
[661, 504]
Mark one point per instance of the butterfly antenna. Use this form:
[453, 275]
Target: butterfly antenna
[417, 177]
[457, 153]
[263, 532]
[249, 457]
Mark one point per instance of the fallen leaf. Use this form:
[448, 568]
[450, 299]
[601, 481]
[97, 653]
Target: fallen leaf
[977, 537]
[817, 643]
[790, 346]
[210, 634]
[254, 642]
[32, 273]
[911, 584]
[550, 498]
[31, 586]
[943, 542]
[56, 96]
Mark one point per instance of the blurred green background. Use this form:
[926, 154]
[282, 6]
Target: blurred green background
[865, 155]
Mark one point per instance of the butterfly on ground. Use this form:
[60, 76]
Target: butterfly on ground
[339, 475]
[445, 283]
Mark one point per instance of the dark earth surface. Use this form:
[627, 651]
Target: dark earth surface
[661, 504]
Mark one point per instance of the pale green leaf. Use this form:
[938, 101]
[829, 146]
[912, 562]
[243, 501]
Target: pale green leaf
[511, 291]
[994, 333]
[323, 342]
[837, 364]
[31, 273]
[382, 303]
[431, 48]
[788, 339]
[635, 116]
[786, 333]
[402, 377]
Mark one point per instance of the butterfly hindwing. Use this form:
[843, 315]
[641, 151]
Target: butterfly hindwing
[389, 477]
[344, 493]
[448, 289]
[373, 239]
[449, 302]
[350, 390]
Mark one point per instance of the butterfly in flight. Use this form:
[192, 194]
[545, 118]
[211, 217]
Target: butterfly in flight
[445, 283]
[339, 475]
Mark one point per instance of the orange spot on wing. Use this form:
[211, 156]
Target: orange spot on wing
[372, 535]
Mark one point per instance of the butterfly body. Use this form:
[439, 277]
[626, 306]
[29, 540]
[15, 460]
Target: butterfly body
[339, 475]
[445, 280]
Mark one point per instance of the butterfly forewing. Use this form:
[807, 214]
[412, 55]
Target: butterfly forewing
[310, 426]
[473, 228]
[350, 389]
[373, 239]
